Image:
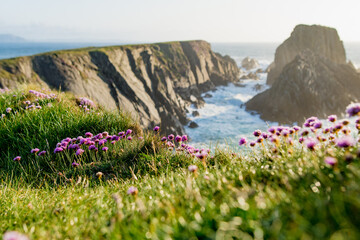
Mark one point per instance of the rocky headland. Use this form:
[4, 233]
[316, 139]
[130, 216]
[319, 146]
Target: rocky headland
[310, 76]
[153, 82]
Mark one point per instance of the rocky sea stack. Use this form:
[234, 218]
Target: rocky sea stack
[310, 76]
[324, 41]
[154, 82]
[249, 63]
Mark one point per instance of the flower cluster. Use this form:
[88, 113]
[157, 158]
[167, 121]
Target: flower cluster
[91, 142]
[13, 235]
[43, 95]
[31, 106]
[353, 109]
[25, 104]
[179, 144]
[313, 134]
[132, 191]
[4, 90]
[86, 104]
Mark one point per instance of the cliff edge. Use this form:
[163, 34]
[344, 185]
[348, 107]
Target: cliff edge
[154, 82]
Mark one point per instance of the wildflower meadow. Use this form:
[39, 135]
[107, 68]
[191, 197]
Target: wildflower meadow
[70, 169]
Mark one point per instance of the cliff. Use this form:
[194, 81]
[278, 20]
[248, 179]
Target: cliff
[324, 41]
[311, 85]
[154, 82]
[309, 77]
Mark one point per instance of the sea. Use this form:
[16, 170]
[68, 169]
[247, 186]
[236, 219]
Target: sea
[223, 119]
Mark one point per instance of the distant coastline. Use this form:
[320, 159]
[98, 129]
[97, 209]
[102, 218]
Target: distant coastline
[236, 50]
[9, 38]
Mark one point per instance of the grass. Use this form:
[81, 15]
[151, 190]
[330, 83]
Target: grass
[275, 190]
[22, 130]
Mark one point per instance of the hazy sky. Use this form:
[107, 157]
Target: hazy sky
[165, 20]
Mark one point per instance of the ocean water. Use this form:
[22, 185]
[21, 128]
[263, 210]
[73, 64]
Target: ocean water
[223, 119]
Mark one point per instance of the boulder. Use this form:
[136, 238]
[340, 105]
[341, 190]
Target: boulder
[200, 103]
[249, 63]
[193, 99]
[193, 125]
[323, 41]
[258, 87]
[239, 84]
[195, 114]
[250, 75]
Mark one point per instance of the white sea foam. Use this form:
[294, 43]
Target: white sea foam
[243, 97]
[223, 118]
[209, 110]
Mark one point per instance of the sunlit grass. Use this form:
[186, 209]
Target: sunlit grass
[276, 190]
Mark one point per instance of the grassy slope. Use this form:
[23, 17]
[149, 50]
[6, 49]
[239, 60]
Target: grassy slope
[289, 194]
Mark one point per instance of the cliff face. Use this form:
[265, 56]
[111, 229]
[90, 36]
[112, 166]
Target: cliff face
[324, 41]
[311, 85]
[153, 82]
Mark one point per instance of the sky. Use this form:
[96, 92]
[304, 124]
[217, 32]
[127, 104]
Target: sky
[168, 20]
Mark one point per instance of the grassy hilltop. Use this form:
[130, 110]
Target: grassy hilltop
[60, 179]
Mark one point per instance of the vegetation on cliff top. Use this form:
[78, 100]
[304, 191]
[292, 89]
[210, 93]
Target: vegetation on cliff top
[293, 183]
